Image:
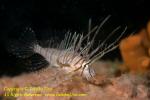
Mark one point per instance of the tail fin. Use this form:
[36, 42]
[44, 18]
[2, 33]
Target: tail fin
[33, 63]
[22, 47]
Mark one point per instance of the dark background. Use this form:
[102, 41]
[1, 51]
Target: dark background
[50, 18]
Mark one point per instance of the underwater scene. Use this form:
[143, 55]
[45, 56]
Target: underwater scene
[74, 50]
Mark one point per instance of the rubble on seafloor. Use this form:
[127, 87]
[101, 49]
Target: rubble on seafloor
[107, 85]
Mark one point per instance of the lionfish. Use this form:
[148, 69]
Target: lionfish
[73, 53]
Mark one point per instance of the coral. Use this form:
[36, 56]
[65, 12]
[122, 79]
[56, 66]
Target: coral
[135, 51]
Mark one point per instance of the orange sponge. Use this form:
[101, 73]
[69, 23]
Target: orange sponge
[135, 51]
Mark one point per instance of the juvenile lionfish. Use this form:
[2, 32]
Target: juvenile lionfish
[74, 53]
